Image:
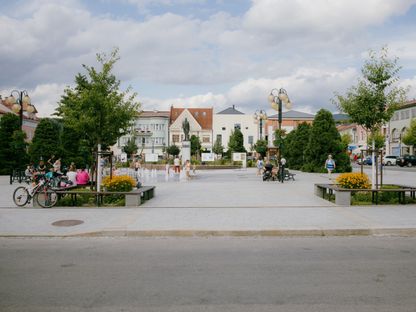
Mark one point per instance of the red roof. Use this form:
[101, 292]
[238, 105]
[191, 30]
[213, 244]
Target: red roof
[202, 115]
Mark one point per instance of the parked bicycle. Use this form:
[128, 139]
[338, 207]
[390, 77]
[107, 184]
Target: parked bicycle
[42, 192]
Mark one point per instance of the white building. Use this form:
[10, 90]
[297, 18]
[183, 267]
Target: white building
[151, 132]
[229, 119]
[398, 125]
[200, 125]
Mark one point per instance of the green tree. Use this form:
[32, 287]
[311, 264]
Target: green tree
[261, 147]
[218, 148]
[195, 145]
[409, 137]
[95, 109]
[295, 146]
[236, 142]
[377, 138]
[12, 145]
[131, 147]
[372, 102]
[324, 139]
[279, 137]
[46, 141]
[173, 150]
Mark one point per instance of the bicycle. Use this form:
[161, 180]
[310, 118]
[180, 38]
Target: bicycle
[42, 192]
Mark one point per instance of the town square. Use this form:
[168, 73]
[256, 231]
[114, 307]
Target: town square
[169, 155]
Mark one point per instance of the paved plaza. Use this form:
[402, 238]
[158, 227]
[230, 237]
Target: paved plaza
[218, 202]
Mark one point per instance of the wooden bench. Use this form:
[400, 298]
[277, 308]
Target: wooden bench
[343, 195]
[132, 199]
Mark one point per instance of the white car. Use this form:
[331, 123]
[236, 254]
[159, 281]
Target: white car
[389, 160]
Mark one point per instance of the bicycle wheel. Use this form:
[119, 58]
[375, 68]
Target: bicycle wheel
[46, 198]
[21, 196]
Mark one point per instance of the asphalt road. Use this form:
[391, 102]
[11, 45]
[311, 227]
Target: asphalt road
[215, 274]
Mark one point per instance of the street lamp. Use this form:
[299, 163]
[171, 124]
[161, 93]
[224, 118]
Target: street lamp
[22, 103]
[259, 116]
[276, 101]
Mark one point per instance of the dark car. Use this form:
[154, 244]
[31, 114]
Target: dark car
[366, 161]
[407, 160]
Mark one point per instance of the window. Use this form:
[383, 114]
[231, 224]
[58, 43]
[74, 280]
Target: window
[250, 139]
[219, 137]
[237, 126]
[204, 114]
[196, 114]
[205, 139]
[223, 128]
[175, 138]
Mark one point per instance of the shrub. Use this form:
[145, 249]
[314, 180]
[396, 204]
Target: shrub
[353, 180]
[121, 183]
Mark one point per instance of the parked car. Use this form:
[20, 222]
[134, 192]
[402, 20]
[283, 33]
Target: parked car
[366, 160]
[390, 160]
[407, 160]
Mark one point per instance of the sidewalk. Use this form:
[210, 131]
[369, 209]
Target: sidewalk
[214, 203]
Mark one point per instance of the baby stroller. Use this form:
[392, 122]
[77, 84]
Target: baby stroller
[269, 174]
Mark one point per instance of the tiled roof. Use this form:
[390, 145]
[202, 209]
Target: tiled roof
[230, 111]
[202, 115]
[294, 115]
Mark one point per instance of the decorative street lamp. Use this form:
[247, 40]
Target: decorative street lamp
[259, 116]
[276, 101]
[22, 103]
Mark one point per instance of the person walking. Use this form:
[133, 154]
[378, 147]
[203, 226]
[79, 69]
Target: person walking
[259, 166]
[177, 165]
[330, 165]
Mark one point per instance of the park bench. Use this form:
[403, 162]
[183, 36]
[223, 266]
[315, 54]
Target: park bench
[133, 198]
[343, 195]
[288, 175]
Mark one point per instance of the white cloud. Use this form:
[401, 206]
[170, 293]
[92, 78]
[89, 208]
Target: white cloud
[321, 16]
[45, 97]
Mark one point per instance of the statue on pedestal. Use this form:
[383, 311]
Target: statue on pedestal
[185, 128]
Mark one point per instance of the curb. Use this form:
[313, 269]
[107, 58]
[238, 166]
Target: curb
[404, 232]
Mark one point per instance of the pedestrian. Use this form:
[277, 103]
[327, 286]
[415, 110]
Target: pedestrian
[330, 165]
[188, 169]
[177, 164]
[259, 166]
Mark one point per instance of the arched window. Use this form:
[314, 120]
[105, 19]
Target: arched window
[394, 136]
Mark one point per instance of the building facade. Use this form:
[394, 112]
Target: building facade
[397, 126]
[200, 125]
[226, 121]
[290, 121]
[151, 133]
[357, 134]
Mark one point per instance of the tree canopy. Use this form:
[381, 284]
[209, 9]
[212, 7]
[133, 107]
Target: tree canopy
[236, 142]
[374, 99]
[12, 144]
[195, 145]
[324, 139]
[295, 146]
[96, 110]
[218, 148]
[46, 140]
[409, 137]
[261, 147]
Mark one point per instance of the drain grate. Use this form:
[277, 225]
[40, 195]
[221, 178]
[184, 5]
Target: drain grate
[67, 222]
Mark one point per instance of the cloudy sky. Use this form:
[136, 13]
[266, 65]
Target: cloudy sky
[204, 53]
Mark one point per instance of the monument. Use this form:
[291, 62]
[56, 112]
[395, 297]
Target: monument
[186, 144]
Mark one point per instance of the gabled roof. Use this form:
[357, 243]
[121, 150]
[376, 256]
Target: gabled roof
[202, 115]
[292, 114]
[230, 111]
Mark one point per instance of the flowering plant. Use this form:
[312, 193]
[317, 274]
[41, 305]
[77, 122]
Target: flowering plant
[122, 183]
[353, 180]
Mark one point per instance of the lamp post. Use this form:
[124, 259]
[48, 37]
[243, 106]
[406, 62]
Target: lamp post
[276, 101]
[20, 104]
[259, 116]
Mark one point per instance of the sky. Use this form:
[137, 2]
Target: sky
[201, 53]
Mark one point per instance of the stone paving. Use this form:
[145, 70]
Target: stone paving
[218, 202]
